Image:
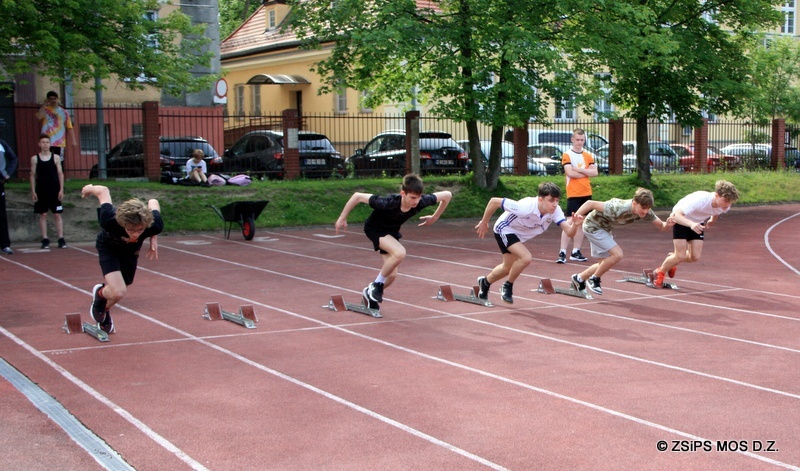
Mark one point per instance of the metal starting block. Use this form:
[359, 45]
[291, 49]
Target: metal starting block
[446, 294]
[546, 287]
[336, 303]
[648, 279]
[73, 324]
[246, 317]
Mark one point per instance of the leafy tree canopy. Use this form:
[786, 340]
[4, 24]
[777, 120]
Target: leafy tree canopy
[85, 39]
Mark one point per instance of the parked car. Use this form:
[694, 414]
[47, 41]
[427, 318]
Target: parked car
[263, 152]
[716, 160]
[662, 157]
[506, 158]
[541, 136]
[386, 152]
[126, 159]
[601, 160]
[760, 155]
[550, 155]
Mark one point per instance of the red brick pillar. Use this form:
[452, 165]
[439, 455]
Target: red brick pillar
[701, 148]
[151, 126]
[615, 136]
[778, 158]
[291, 150]
[521, 151]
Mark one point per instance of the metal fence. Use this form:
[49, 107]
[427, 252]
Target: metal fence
[348, 133]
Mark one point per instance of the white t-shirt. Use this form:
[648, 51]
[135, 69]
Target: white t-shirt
[191, 165]
[697, 206]
[523, 219]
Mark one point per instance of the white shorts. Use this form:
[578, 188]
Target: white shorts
[602, 242]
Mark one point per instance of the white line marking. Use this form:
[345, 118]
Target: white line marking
[769, 247]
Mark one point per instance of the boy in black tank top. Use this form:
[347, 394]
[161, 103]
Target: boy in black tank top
[47, 190]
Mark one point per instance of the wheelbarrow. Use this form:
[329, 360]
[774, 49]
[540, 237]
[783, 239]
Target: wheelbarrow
[243, 213]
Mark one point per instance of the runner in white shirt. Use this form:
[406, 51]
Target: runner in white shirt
[693, 214]
[521, 221]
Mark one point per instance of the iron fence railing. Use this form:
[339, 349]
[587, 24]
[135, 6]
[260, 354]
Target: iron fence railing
[350, 133]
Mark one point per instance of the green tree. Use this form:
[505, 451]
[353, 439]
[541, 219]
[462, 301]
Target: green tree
[83, 40]
[232, 14]
[676, 57]
[489, 61]
[775, 80]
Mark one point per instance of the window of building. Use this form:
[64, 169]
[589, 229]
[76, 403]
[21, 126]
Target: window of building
[362, 107]
[271, 21]
[256, 99]
[340, 101]
[788, 10]
[240, 100]
[565, 110]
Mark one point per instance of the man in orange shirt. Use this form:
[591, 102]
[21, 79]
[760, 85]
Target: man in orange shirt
[579, 166]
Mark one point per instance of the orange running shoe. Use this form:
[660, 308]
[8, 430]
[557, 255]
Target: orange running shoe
[672, 271]
[658, 280]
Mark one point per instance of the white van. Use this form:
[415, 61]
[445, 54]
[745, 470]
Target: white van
[555, 136]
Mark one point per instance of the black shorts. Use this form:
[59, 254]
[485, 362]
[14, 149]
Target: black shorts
[375, 236]
[47, 203]
[123, 263]
[574, 204]
[505, 241]
[685, 233]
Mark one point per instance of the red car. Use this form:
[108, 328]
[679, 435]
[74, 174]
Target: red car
[716, 160]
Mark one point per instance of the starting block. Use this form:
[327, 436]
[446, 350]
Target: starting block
[546, 287]
[648, 279]
[73, 324]
[246, 317]
[446, 294]
[337, 304]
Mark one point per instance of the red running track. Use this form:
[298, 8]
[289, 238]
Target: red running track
[550, 382]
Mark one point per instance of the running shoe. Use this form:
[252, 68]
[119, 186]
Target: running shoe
[107, 325]
[577, 256]
[370, 303]
[506, 292]
[578, 285]
[483, 288]
[98, 309]
[375, 292]
[562, 257]
[45, 243]
[62, 244]
[658, 279]
[594, 284]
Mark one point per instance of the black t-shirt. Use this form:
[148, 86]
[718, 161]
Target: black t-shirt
[386, 213]
[114, 236]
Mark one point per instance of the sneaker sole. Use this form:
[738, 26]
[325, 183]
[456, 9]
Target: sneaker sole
[561, 261]
[578, 259]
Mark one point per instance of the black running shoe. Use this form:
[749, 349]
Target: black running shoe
[62, 244]
[98, 309]
[562, 257]
[578, 285]
[45, 243]
[107, 325]
[483, 288]
[370, 303]
[375, 292]
[505, 292]
[577, 256]
[594, 285]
